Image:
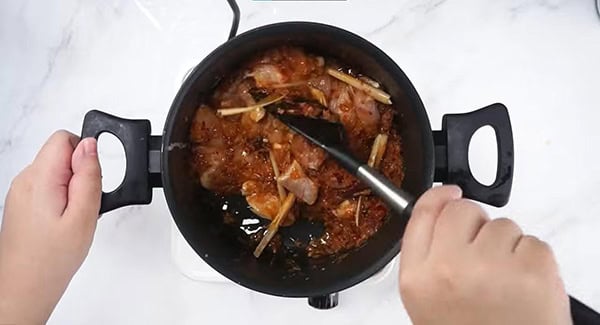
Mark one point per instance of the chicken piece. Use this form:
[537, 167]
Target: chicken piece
[206, 128]
[308, 155]
[323, 83]
[213, 169]
[233, 93]
[354, 107]
[263, 201]
[228, 151]
[212, 156]
[366, 109]
[296, 181]
[298, 63]
[207, 134]
[267, 75]
[340, 103]
[346, 209]
[213, 179]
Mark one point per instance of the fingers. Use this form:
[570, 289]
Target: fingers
[419, 231]
[85, 188]
[53, 161]
[52, 169]
[499, 235]
[534, 253]
[458, 224]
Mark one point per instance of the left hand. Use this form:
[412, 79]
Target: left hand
[49, 221]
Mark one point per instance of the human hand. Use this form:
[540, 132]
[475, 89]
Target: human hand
[458, 267]
[49, 221]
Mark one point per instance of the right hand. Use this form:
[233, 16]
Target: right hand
[459, 267]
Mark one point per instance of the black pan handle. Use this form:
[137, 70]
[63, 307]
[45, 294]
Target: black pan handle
[452, 153]
[140, 177]
[582, 314]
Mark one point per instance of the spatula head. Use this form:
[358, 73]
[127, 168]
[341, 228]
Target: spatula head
[321, 132]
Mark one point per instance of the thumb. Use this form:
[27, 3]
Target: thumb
[85, 187]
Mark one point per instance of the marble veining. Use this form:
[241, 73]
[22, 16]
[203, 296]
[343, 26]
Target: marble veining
[27, 108]
[532, 5]
[428, 6]
[385, 25]
[538, 57]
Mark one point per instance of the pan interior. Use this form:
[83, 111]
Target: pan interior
[199, 213]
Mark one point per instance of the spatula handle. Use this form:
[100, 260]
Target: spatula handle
[396, 198]
[582, 314]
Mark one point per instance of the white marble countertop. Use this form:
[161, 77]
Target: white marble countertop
[541, 58]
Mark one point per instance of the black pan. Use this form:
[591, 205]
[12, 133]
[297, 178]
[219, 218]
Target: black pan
[164, 161]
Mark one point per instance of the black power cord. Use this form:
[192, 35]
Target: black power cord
[236, 18]
[598, 8]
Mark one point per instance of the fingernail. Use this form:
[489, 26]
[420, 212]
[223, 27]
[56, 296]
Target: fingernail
[90, 147]
[456, 191]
